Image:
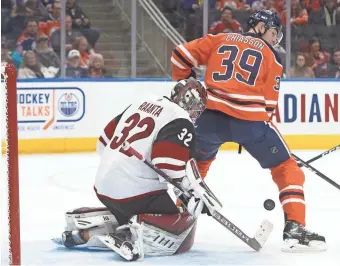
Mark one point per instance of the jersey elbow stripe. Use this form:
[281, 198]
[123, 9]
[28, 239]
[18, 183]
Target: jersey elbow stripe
[174, 173]
[182, 58]
[188, 55]
[176, 63]
[167, 149]
[167, 160]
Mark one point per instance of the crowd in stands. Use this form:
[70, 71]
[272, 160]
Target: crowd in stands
[315, 29]
[31, 39]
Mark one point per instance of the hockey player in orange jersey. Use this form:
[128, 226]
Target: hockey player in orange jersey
[243, 75]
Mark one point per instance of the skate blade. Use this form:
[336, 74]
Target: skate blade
[58, 241]
[292, 246]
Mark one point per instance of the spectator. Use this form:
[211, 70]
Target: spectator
[27, 40]
[71, 36]
[8, 56]
[312, 5]
[81, 22]
[6, 7]
[226, 24]
[319, 58]
[96, 66]
[327, 15]
[31, 68]
[299, 14]
[17, 23]
[234, 4]
[334, 71]
[52, 20]
[257, 5]
[73, 69]
[82, 46]
[45, 55]
[301, 70]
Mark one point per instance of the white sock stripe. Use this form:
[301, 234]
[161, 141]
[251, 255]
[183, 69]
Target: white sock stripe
[292, 187]
[292, 200]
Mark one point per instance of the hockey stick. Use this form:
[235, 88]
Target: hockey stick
[320, 155]
[315, 171]
[255, 243]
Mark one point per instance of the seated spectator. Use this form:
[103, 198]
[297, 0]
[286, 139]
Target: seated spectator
[327, 15]
[257, 5]
[27, 40]
[334, 71]
[8, 56]
[45, 55]
[312, 5]
[299, 15]
[301, 70]
[96, 66]
[73, 69]
[319, 59]
[31, 68]
[234, 4]
[81, 22]
[82, 46]
[71, 36]
[52, 20]
[226, 24]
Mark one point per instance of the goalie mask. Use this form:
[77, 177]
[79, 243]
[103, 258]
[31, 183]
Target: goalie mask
[190, 95]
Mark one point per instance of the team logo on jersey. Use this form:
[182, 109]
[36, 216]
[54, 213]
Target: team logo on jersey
[49, 108]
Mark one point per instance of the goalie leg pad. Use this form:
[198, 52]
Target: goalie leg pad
[167, 234]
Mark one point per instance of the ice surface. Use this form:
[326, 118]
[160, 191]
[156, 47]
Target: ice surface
[52, 184]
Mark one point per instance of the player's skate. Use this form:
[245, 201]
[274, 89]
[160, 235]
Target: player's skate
[298, 239]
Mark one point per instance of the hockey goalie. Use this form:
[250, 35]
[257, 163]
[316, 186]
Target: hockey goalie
[140, 217]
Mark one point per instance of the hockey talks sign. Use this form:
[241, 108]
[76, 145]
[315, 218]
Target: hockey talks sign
[49, 108]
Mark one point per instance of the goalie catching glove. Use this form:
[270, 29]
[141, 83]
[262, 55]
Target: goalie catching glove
[195, 194]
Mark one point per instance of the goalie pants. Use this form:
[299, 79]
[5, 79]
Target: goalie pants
[157, 202]
[264, 142]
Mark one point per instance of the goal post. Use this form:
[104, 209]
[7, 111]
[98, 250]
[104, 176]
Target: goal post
[9, 85]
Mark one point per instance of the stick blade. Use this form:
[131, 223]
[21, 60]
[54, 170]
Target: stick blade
[263, 233]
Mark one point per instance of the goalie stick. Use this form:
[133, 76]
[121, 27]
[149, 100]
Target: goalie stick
[256, 242]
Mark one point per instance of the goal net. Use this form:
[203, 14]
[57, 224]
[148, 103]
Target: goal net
[10, 221]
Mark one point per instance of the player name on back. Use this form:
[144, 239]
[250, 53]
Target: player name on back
[256, 42]
[151, 108]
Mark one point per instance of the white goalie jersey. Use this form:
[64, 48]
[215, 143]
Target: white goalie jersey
[158, 129]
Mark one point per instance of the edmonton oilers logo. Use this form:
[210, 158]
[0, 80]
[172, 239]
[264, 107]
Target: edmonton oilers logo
[68, 104]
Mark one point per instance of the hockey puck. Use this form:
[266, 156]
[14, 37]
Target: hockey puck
[269, 204]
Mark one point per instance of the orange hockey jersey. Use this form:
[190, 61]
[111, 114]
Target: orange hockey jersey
[243, 73]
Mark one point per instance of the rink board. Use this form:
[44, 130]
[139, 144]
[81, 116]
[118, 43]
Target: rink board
[57, 116]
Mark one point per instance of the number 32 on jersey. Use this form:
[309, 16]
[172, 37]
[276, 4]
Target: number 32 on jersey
[185, 137]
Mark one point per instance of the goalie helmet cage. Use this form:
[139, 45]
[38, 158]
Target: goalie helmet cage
[8, 78]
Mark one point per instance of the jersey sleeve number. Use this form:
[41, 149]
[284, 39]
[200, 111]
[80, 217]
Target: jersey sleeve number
[185, 136]
[229, 61]
[147, 125]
